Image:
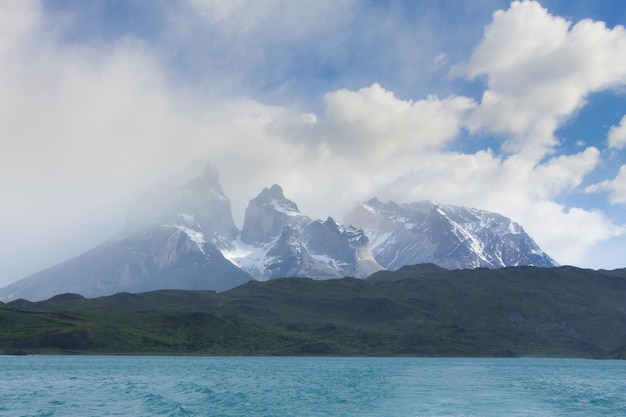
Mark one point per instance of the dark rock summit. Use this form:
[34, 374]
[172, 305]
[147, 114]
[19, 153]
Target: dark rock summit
[268, 214]
[289, 244]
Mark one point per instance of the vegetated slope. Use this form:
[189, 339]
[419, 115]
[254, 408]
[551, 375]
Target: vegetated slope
[417, 310]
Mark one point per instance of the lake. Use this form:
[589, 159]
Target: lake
[279, 386]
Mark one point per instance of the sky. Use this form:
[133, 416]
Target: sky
[513, 107]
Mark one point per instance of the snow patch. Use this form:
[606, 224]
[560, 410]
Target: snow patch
[188, 218]
[378, 238]
[249, 257]
[283, 207]
[220, 195]
[194, 236]
[369, 208]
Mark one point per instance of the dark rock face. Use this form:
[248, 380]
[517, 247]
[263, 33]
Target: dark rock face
[449, 236]
[268, 214]
[290, 258]
[293, 245]
[347, 248]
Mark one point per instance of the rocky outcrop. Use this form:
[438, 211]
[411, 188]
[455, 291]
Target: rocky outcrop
[279, 241]
[268, 214]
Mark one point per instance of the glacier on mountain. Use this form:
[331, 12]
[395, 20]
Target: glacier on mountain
[446, 235]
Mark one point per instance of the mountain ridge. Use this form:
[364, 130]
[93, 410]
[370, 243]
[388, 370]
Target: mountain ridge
[418, 310]
[187, 239]
[449, 236]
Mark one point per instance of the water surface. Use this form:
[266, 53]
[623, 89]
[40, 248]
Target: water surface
[263, 386]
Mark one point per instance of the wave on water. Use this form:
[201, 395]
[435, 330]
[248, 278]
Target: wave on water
[71, 386]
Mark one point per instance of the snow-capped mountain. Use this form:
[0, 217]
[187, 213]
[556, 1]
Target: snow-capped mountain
[161, 257]
[187, 239]
[279, 241]
[449, 236]
[198, 207]
[171, 240]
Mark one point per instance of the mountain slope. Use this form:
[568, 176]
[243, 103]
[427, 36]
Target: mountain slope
[199, 205]
[449, 236]
[158, 258]
[170, 240]
[187, 239]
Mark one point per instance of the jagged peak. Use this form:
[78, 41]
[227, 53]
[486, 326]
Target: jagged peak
[274, 198]
[275, 192]
[422, 205]
[374, 204]
[267, 214]
[199, 204]
[331, 222]
[211, 174]
[208, 181]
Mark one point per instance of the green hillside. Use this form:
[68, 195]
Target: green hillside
[420, 310]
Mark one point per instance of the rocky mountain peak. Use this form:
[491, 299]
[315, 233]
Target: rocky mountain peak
[209, 180]
[275, 192]
[186, 238]
[199, 206]
[449, 236]
[268, 214]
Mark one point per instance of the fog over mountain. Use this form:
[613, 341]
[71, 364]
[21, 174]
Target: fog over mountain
[186, 239]
[513, 107]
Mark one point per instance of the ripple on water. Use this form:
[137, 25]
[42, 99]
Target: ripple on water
[394, 387]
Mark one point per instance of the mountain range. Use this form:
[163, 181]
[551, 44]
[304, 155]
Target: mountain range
[449, 236]
[187, 239]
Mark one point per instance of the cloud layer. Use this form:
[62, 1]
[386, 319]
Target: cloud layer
[86, 125]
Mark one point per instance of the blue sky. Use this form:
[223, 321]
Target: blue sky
[514, 107]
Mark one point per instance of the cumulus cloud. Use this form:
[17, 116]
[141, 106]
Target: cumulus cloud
[539, 69]
[617, 135]
[371, 143]
[85, 126]
[372, 121]
[615, 187]
[16, 20]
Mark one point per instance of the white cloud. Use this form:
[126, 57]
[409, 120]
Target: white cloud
[406, 149]
[218, 9]
[540, 68]
[617, 135]
[568, 234]
[616, 187]
[563, 173]
[373, 122]
[16, 20]
[83, 127]
[276, 20]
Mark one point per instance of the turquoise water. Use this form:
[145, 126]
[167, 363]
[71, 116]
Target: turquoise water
[260, 386]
